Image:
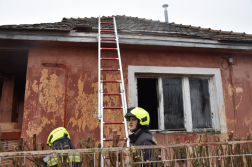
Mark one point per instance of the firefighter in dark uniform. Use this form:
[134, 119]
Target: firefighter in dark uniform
[57, 138]
[139, 121]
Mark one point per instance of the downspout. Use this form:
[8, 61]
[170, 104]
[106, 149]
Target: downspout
[231, 74]
[65, 88]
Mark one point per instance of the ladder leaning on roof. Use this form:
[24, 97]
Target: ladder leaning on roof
[119, 82]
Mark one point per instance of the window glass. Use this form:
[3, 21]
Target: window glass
[173, 103]
[200, 103]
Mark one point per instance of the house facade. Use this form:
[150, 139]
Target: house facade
[188, 78]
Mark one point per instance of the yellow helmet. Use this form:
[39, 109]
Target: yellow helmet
[56, 134]
[139, 113]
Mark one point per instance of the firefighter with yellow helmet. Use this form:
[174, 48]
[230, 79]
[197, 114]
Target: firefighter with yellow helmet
[57, 138]
[139, 121]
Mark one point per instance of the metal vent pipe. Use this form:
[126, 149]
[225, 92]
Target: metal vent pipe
[165, 12]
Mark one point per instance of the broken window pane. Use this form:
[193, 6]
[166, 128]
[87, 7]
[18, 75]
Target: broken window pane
[173, 103]
[200, 103]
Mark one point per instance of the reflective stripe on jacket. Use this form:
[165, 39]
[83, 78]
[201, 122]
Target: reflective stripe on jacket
[52, 160]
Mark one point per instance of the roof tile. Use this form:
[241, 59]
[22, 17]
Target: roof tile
[126, 24]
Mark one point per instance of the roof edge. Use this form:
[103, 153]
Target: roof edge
[128, 39]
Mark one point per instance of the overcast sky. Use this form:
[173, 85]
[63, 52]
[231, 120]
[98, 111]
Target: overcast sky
[227, 15]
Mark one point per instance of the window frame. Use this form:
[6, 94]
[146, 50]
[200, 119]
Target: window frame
[215, 91]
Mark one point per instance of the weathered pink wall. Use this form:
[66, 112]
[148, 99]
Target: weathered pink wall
[238, 96]
[44, 97]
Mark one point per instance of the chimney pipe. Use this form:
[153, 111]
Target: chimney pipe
[165, 12]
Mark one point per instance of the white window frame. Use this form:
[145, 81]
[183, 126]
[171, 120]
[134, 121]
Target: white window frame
[215, 91]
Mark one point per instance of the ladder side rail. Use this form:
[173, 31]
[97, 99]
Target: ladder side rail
[120, 63]
[101, 128]
[122, 81]
[101, 120]
[124, 113]
[100, 97]
[99, 66]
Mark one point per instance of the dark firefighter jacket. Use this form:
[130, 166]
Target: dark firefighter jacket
[52, 160]
[144, 137]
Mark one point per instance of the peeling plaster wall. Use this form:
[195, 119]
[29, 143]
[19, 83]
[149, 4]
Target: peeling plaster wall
[238, 92]
[236, 82]
[44, 95]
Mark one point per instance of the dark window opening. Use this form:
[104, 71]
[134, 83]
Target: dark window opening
[200, 103]
[18, 99]
[13, 65]
[173, 104]
[147, 98]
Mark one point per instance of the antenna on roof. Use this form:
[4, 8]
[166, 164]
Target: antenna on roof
[165, 12]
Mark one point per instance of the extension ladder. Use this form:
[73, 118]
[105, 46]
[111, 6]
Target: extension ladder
[120, 83]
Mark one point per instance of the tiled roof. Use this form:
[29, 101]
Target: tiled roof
[135, 25]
